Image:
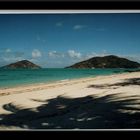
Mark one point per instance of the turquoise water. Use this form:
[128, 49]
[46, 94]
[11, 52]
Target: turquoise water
[16, 77]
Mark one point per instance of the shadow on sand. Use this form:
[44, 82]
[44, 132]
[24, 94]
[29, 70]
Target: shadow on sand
[127, 82]
[107, 112]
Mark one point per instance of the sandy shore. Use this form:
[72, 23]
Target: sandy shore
[93, 103]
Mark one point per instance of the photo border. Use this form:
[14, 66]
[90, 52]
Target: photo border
[66, 5]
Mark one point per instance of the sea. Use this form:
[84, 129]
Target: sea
[17, 77]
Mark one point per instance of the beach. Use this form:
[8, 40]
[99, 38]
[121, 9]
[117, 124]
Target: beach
[101, 102]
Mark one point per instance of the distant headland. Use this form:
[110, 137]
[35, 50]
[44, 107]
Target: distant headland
[110, 61]
[24, 64]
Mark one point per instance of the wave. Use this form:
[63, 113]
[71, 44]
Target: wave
[64, 80]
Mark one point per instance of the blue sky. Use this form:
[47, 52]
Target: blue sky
[59, 40]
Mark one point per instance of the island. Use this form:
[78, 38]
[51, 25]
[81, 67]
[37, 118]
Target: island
[110, 61]
[24, 64]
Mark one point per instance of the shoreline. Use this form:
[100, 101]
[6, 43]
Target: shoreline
[59, 79]
[51, 82]
[42, 86]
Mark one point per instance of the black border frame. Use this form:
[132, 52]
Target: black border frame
[68, 5]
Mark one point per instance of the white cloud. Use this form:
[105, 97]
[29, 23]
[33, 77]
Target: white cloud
[52, 53]
[104, 53]
[77, 27]
[36, 53]
[8, 50]
[55, 54]
[132, 57]
[12, 59]
[74, 54]
[59, 24]
[94, 54]
[90, 55]
[43, 40]
[38, 38]
[9, 56]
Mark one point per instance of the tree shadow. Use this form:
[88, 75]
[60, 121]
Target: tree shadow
[126, 82]
[89, 112]
[11, 107]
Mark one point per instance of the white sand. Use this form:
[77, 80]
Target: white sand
[33, 96]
